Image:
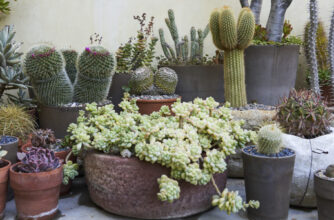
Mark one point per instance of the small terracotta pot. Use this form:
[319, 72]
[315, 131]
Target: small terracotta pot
[146, 107]
[3, 187]
[36, 194]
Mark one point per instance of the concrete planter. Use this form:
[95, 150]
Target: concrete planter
[311, 156]
[128, 187]
[324, 189]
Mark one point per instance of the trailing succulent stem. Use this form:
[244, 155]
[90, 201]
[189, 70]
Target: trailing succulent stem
[95, 66]
[233, 37]
[269, 140]
[70, 57]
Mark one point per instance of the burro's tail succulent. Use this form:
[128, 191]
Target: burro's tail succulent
[70, 57]
[269, 140]
[95, 65]
[233, 37]
[45, 67]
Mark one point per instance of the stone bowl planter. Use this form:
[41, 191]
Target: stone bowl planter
[324, 189]
[146, 107]
[128, 187]
[311, 156]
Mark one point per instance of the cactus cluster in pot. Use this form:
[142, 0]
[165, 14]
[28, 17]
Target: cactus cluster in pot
[269, 140]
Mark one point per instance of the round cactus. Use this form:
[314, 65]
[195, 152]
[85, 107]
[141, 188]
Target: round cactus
[165, 80]
[269, 140]
[330, 171]
[141, 81]
[95, 66]
[70, 57]
[45, 67]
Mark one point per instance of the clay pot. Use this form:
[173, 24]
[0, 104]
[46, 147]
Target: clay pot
[268, 180]
[36, 194]
[146, 107]
[128, 187]
[3, 187]
[324, 189]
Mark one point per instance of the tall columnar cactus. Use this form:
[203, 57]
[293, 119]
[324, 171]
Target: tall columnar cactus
[233, 38]
[330, 171]
[95, 65]
[181, 52]
[165, 80]
[45, 67]
[141, 80]
[70, 57]
[311, 46]
[269, 140]
[331, 50]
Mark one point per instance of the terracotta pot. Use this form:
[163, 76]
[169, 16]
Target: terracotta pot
[324, 189]
[3, 187]
[146, 107]
[36, 194]
[128, 187]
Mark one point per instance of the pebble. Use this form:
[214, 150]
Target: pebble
[7, 139]
[255, 106]
[76, 104]
[156, 97]
[284, 153]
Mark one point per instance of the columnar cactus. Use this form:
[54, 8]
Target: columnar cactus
[330, 171]
[165, 80]
[269, 140]
[233, 38]
[45, 67]
[95, 66]
[70, 57]
[141, 80]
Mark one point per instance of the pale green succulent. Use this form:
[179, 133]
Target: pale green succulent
[70, 171]
[169, 189]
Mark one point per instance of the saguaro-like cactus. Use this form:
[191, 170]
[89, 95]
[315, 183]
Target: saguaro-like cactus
[233, 38]
[269, 140]
[45, 67]
[70, 57]
[95, 66]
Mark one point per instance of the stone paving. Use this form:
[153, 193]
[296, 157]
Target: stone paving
[77, 205]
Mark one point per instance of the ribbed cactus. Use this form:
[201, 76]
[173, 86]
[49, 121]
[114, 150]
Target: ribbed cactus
[141, 80]
[45, 67]
[70, 57]
[165, 80]
[330, 171]
[269, 140]
[233, 38]
[95, 65]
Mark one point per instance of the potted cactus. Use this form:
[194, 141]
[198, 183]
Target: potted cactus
[59, 100]
[70, 58]
[142, 157]
[36, 183]
[199, 75]
[153, 90]
[4, 167]
[268, 170]
[324, 189]
[305, 118]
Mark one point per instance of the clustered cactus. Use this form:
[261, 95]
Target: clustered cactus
[330, 171]
[144, 81]
[45, 138]
[233, 38]
[70, 57]
[193, 143]
[269, 139]
[303, 113]
[183, 46]
[37, 160]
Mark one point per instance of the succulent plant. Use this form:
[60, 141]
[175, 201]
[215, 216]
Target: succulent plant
[21, 99]
[169, 189]
[70, 57]
[303, 113]
[141, 80]
[165, 80]
[46, 69]
[95, 65]
[233, 37]
[45, 138]
[70, 171]
[37, 160]
[330, 171]
[269, 139]
[15, 121]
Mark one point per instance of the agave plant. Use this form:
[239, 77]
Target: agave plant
[21, 99]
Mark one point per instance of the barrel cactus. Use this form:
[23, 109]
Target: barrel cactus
[70, 57]
[141, 80]
[233, 38]
[269, 140]
[45, 67]
[330, 171]
[95, 65]
[165, 80]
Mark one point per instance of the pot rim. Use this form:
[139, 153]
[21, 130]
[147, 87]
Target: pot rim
[70, 108]
[191, 65]
[316, 175]
[11, 170]
[158, 100]
[16, 140]
[267, 157]
[7, 166]
[283, 45]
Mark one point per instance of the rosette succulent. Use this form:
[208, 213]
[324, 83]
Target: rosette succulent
[45, 138]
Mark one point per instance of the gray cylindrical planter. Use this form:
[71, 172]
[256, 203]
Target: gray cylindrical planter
[11, 149]
[268, 180]
[200, 81]
[116, 92]
[270, 72]
[324, 189]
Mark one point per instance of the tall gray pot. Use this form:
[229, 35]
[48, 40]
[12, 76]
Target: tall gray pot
[271, 72]
[116, 92]
[324, 189]
[268, 180]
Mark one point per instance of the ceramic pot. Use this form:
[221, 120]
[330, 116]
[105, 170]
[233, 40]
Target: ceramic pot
[3, 186]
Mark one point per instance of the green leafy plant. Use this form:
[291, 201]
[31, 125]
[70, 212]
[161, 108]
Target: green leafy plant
[269, 139]
[70, 171]
[21, 99]
[193, 143]
[304, 114]
[5, 7]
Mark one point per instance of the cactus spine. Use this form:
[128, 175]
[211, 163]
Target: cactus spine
[233, 38]
[330, 171]
[269, 140]
[70, 57]
[45, 67]
[95, 66]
